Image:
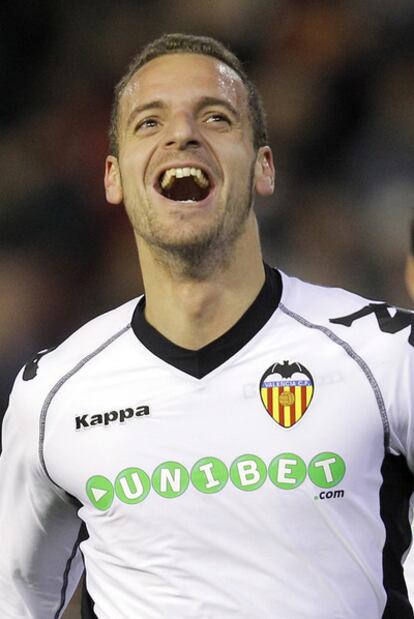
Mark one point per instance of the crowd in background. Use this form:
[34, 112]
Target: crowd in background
[337, 80]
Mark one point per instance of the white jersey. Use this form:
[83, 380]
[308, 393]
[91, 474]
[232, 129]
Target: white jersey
[266, 476]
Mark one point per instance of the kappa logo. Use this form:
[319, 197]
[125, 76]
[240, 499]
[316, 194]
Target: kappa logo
[286, 391]
[31, 367]
[388, 321]
[106, 419]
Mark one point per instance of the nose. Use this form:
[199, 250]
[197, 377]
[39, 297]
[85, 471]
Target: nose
[182, 132]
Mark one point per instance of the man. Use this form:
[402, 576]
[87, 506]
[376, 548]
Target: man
[235, 443]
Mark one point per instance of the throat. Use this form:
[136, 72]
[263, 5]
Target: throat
[200, 316]
[194, 314]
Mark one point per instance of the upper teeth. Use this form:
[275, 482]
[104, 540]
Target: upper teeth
[172, 173]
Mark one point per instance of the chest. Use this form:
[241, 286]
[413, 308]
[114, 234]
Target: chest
[286, 412]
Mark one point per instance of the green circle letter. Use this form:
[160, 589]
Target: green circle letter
[132, 485]
[170, 479]
[209, 475]
[326, 469]
[287, 471]
[248, 472]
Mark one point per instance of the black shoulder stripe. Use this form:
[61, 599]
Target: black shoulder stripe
[387, 322]
[31, 367]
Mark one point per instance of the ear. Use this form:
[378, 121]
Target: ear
[264, 172]
[112, 181]
[409, 276]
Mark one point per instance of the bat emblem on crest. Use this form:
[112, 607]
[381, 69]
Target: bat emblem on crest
[286, 391]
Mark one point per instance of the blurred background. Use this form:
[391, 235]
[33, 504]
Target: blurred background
[337, 80]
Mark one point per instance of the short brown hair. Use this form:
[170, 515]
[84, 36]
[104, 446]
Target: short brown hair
[190, 44]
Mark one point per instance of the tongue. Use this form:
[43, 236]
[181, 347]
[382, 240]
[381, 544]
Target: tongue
[184, 189]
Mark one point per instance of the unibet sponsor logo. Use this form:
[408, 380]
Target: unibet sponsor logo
[287, 471]
[170, 479]
[100, 491]
[210, 475]
[105, 419]
[248, 472]
[132, 485]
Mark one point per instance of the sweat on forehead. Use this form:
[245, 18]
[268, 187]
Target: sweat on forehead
[168, 77]
[171, 44]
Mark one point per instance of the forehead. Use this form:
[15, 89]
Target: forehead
[183, 77]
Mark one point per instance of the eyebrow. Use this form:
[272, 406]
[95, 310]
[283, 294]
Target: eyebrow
[202, 103]
[213, 101]
[138, 109]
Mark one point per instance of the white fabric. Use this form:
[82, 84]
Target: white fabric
[249, 550]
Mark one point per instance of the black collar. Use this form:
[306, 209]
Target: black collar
[200, 362]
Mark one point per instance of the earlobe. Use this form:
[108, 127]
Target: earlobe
[112, 181]
[264, 172]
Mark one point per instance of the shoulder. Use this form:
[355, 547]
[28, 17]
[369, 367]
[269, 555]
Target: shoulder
[319, 303]
[47, 367]
[351, 317]
[379, 337]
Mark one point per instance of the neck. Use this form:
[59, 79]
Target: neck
[193, 312]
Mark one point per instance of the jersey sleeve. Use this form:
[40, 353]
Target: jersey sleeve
[409, 426]
[40, 562]
[396, 373]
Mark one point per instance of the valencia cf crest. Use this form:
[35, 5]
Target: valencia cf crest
[286, 390]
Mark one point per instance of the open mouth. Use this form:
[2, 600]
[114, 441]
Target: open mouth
[184, 184]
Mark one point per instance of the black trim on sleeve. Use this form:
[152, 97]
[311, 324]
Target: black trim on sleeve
[200, 362]
[65, 580]
[396, 490]
[87, 603]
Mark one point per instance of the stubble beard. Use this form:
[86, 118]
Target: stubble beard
[204, 254]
